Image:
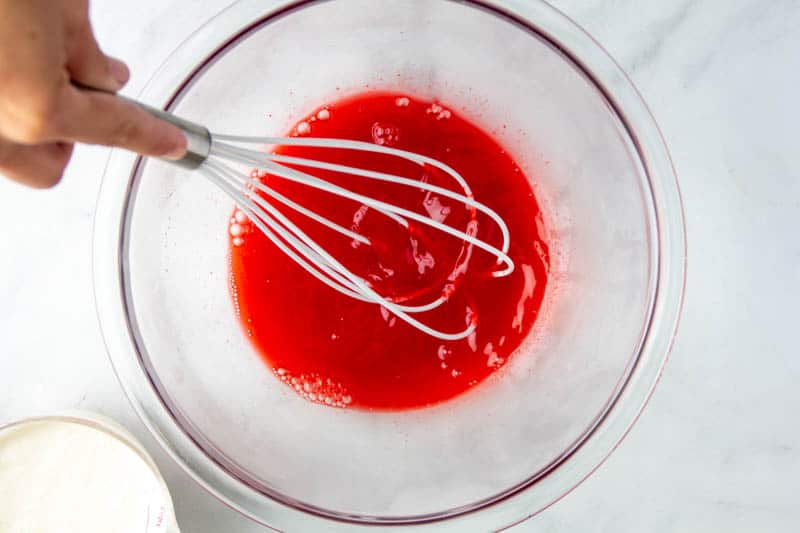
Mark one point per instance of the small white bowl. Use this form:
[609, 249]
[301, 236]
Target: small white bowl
[160, 512]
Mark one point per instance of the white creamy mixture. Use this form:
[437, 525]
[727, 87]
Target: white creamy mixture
[63, 477]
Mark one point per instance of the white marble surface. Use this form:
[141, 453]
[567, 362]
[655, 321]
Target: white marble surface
[717, 448]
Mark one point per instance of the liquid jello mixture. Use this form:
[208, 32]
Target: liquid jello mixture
[337, 351]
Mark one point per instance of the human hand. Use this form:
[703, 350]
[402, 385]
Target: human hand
[45, 47]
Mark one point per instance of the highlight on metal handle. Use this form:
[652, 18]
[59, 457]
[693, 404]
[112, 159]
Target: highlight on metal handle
[198, 137]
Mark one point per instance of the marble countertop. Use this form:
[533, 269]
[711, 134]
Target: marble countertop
[717, 447]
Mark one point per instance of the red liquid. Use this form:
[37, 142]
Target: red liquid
[338, 351]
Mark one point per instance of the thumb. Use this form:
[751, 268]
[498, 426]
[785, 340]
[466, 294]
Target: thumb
[88, 65]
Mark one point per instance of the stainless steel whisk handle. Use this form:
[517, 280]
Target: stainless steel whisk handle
[198, 137]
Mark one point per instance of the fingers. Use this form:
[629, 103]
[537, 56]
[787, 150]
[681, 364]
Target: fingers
[88, 65]
[74, 115]
[98, 118]
[39, 166]
[42, 113]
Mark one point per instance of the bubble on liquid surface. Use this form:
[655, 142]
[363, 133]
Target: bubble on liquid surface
[236, 230]
[384, 134]
[238, 227]
[323, 114]
[316, 388]
[439, 112]
[303, 128]
[402, 102]
[444, 352]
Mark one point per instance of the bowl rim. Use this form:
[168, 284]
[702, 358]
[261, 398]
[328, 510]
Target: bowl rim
[514, 506]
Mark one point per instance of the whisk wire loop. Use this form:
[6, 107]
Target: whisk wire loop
[251, 195]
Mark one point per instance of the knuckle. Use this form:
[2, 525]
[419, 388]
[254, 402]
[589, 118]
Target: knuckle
[33, 131]
[40, 121]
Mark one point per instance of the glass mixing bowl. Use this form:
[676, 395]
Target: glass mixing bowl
[485, 460]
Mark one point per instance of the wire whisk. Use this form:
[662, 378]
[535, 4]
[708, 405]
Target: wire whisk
[217, 157]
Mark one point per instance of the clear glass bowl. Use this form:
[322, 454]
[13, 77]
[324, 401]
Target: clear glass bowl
[519, 441]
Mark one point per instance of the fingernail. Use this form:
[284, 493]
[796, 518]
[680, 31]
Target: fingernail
[119, 71]
[179, 148]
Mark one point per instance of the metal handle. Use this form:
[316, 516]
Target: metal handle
[198, 138]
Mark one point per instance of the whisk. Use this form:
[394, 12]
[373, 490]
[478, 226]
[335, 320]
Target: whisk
[215, 156]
